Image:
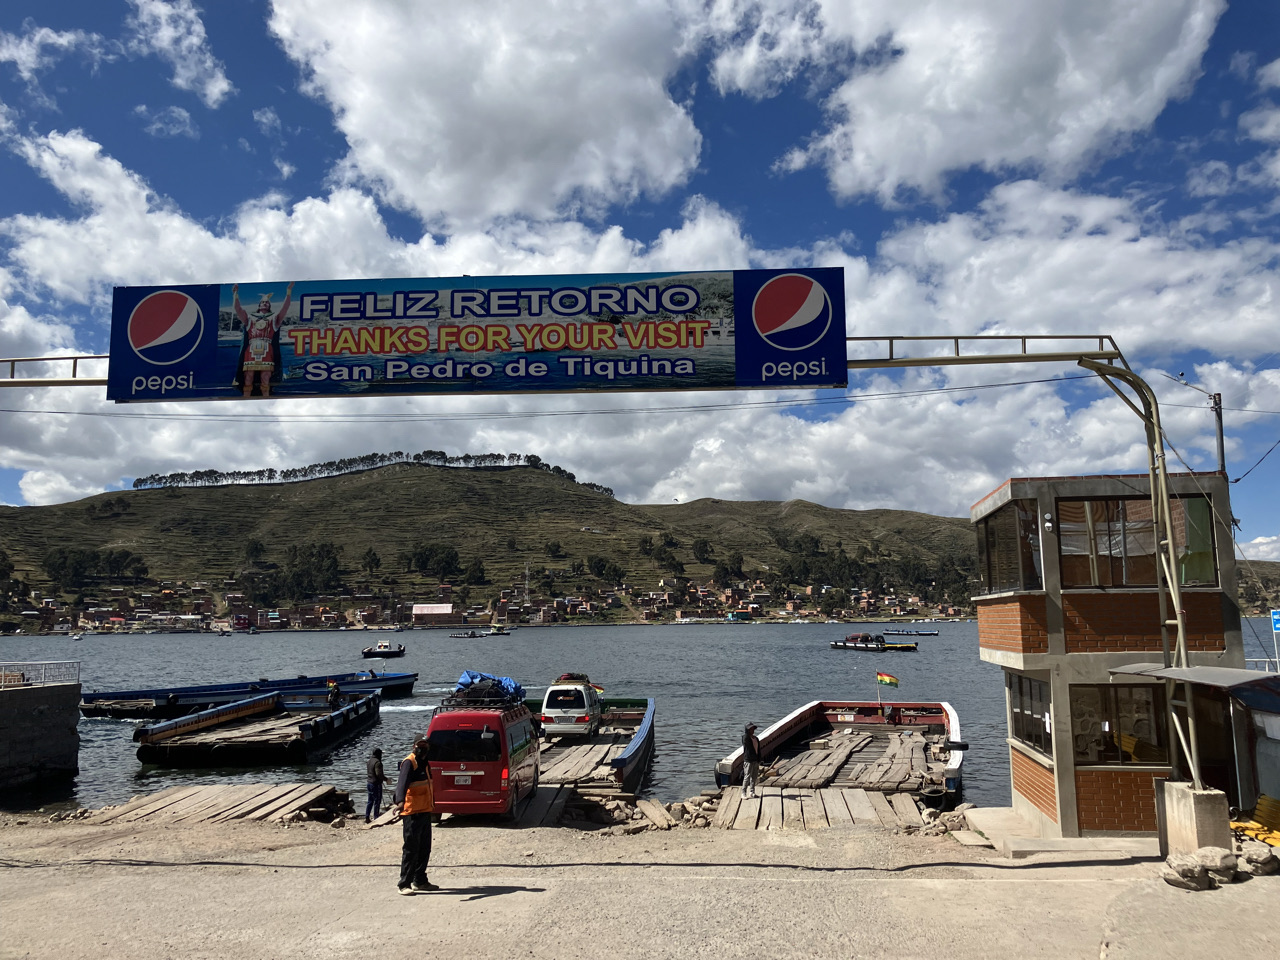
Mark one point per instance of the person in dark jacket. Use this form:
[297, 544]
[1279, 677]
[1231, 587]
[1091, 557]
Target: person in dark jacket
[750, 761]
[415, 798]
[375, 779]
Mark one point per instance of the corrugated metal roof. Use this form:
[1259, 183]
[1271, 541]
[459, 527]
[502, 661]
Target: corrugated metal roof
[1253, 688]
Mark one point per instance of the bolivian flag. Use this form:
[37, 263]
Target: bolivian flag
[888, 679]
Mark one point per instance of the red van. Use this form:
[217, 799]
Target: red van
[484, 756]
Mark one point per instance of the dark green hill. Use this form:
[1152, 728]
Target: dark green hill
[504, 516]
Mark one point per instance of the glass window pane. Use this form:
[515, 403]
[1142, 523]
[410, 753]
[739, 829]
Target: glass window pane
[1029, 544]
[984, 573]
[1141, 724]
[1137, 544]
[1074, 543]
[1118, 724]
[1086, 722]
[1004, 551]
[1029, 700]
[1193, 537]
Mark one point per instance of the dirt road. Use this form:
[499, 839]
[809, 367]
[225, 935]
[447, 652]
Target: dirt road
[254, 890]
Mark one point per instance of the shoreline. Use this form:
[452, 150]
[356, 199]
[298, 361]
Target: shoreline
[717, 621]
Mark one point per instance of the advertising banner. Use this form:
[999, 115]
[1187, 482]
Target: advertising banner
[724, 330]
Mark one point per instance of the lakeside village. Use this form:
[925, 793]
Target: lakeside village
[200, 607]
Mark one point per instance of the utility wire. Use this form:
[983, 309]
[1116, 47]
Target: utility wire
[1260, 459]
[534, 414]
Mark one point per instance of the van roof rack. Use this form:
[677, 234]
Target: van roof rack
[462, 702]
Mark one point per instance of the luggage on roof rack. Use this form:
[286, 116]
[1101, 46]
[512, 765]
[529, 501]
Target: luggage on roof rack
[572, 678]
[473, 686]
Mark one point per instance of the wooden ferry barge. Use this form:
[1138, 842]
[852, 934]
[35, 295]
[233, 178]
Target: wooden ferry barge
[899, 747]
[265, 730]
[877, 643]
[615, 760]
[163, 703]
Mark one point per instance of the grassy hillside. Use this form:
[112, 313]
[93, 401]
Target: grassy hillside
[201, 532]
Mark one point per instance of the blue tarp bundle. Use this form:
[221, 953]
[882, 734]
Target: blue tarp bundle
[502, 686]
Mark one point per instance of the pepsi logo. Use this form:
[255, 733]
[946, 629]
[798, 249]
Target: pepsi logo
[791, 311]
[165, 327]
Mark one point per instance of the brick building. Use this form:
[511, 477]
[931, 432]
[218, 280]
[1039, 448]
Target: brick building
[1068, 593]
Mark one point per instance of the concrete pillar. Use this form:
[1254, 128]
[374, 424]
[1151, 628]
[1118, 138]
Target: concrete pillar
[1195, 818]
[39, 739]
[1064, 758]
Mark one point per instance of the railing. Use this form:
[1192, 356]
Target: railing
[39, 674]
[1268, 664]
[876, 352]
[9, 366]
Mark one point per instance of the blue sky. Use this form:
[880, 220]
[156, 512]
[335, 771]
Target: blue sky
[1068, 166]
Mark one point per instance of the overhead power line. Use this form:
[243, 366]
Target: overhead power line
[846, 400]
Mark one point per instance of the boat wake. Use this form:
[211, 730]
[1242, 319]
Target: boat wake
[414, 708]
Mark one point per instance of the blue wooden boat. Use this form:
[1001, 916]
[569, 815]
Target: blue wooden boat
[164, 703]
[630, 766]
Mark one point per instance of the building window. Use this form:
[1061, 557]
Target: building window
[1009, 548]
[1111, 543]
[1029, 703]
[1121, 724]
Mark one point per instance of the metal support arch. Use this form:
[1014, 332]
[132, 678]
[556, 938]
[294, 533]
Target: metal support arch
[1100, 355]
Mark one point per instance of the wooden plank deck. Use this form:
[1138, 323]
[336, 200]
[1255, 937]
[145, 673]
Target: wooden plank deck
[218, 803]
[890, 760]
[793, 808]
[584, 762]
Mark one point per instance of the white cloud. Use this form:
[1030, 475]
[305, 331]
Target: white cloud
[268, 122]
[173, 31]
[1261, 123]
[38, 48]
[472, 111]
[169, 122]
[23, 334]
[1269, 76]
[1210, 179]
[765, 43]
[1261, 548]
[1031, 259]
[939, 87]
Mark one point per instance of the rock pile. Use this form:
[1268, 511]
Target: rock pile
[1257, 859]
[70, 815]
[938, 824]
[696, 812]
[1212, 867]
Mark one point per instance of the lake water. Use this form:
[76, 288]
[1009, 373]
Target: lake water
[708, 680]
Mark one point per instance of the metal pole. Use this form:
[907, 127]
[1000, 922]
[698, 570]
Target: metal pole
[1166, 550]
[1216, 403]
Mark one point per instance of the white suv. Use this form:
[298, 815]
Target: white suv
[571, 710]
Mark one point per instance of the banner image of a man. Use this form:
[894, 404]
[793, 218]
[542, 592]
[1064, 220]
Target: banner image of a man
[260, 342]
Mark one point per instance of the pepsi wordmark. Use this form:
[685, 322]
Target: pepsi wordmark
[742, 329]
